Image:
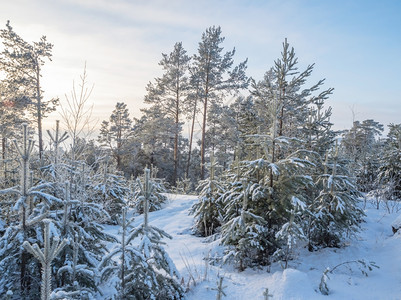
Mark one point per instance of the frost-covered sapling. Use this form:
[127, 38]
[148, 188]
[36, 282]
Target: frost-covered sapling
[363, 266]
[156, 197]
[130, 267]
[184, 186]
[220, 288]
[33, 205]
[56, 139]
[243, 233]
[208, 210]
[291, 232]
[337, 209]
[111, 188]
[390, 164]
[45, 257]
[78, 221]
[266, 294]
[162, 277]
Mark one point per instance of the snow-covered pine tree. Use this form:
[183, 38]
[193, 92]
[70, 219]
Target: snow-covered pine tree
[56, 139]
[78, 220]
[361, 147]
[76, 265]
[291, 232]
[208, 210]
[153, 131]
[282, 91]
[157, 198]
[272, 187]
[115, 133]
[389, 177]
[162, 276]
[45, 257]
[243, 231]
[277, 165]
[111, 189]
[130, 266]
[80, 278]
[317, 138]
[184, 186]
[32, 205]
[337, 211]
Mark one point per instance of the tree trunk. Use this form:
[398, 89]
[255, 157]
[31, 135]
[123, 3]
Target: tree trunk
[191, 139]
[203, 140]
[4, 156]
[176, 141]
[39, 110]
[46, 281]
[123, 255]
[205, 119]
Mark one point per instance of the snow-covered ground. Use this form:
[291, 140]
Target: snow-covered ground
[301, 280]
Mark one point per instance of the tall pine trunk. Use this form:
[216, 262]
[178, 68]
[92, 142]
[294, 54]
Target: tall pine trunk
[4, 155]
[39, 110]
[177, 120]
[204, 121]
[203, 140]
[191, 138]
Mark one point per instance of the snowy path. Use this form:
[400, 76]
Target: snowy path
[375, 243]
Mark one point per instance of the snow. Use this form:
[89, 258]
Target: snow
[396, 225]
[375, 243]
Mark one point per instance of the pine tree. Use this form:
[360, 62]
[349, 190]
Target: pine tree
[216, 76]
[389, 176]
[78, 221]
[169, 93]
[281, 154]
[22, 63]
[45, 257]
[360, 147]
[243, 230]
[208, 210]
[156, 199]
[132, 267]
[162, 277]
[33, 204]
[291, 232]
[112, 189]
[337, 206]
[56, 139]
[114, 134]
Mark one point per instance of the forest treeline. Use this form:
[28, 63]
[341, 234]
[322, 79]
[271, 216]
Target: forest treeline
[269, 168]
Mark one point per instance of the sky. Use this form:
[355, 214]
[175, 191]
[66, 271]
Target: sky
[355, 45]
